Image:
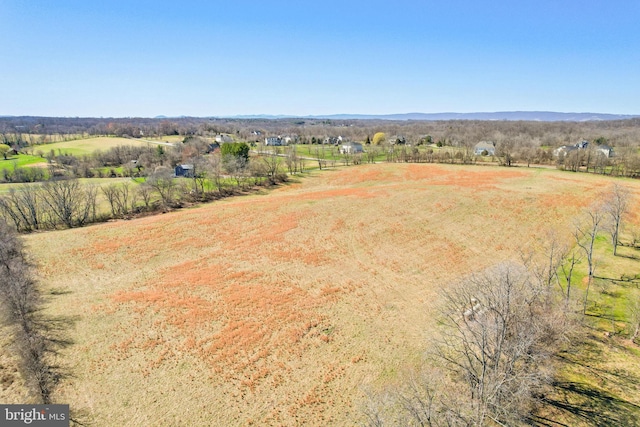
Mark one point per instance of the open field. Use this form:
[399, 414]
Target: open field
[77, 147]
[22, 160]
[81, 147]
[6, 187]
[172, 139]
[278, 309]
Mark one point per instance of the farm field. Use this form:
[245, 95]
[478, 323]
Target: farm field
[6, 187]
[172, 139]
[22, 160]
[76, 147]
[282, 308]
[81, 147]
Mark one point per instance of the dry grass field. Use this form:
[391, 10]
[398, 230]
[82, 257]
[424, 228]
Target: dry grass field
[280, 308]
[79, 147]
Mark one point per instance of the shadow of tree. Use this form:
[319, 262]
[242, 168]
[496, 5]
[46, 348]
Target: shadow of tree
[592, 402]
[592, 406]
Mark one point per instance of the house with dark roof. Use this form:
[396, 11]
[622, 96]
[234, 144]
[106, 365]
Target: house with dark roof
[186, 171]
[214, 146]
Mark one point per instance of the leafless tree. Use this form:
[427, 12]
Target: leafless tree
[505, 152]
[499, 330]
[546, 268]
[236, 167]
[616, 204]
[567, 267]
[346, 158]
[144, 192]
[214, 168]
[502, 332]
[422, 397]
[272, 162]
[21, 305]
[292, 160]
[119, 198]
[258, 171]
[319, 154]
[634, 318]
[162, 181]
[123, 197]
[69, 202]
[24, 207]
[109, 192]
[585, 233]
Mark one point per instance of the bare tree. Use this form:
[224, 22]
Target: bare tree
[258, 171]
[24, 207]
[546, 269]
[119, 197]
[144, 192]
[634, 318]
[68, 202]
[21, 304]
[491, 359]
[502, 332]
[567, 271]
[292, 160]
[616, 204]
[161, 180]
[109, 192]
[346, 157]
[372, 153]
[422, 397]
[272, 162]
[505, 152]
[585, 234]
[320, 156]
[237, 167]
[200, 174]
[214, 168]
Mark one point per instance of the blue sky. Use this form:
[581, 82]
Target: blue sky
[219, 58]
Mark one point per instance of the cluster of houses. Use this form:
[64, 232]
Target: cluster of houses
[583, 145]
[488, 148]
[482, 148]
[345, 147]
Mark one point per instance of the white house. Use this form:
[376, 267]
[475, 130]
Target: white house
[583, 145]
[332, 140]
[485, 146]
[351, 148]
[605, 149]
[273, 141]
[223, 138]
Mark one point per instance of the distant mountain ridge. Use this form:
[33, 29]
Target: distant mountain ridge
[542, 116]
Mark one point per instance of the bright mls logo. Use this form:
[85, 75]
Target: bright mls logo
[35, 415]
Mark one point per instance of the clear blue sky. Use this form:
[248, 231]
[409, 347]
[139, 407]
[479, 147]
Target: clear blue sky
[214, 58]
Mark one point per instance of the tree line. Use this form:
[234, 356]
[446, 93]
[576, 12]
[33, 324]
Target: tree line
[35, 337]
[618, 133]
[64, 201]
[516, 142]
